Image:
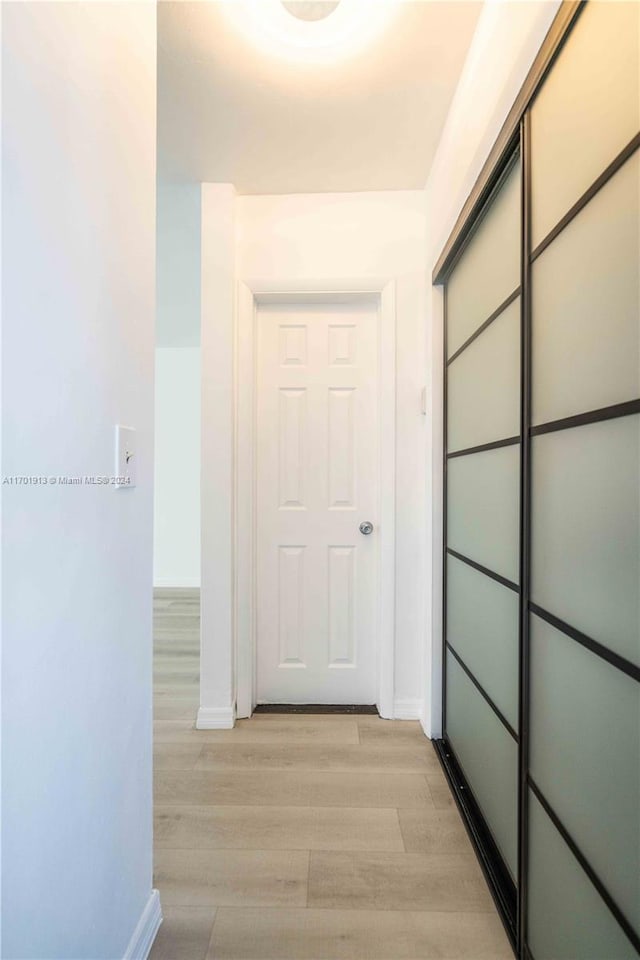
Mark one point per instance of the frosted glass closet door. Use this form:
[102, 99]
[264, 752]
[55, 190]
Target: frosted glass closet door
[568, 920]
[585, 336]
[489, 270]
[483, 483]
[587, 111]
[585, 496]
[488, 756]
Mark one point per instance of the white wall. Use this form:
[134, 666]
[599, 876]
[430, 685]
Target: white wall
[78, 157]
[506, 42]
[364, 235]
[176, 554]
[217, 653]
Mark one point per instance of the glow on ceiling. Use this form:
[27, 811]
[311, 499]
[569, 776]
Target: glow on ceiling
[350, 27]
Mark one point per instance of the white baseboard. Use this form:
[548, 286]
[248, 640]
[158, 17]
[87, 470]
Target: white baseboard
[178, 583]
[216, 718]
[426, 729]
[407, 709]
[145, 932]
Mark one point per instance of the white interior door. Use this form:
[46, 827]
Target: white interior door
[317, 481]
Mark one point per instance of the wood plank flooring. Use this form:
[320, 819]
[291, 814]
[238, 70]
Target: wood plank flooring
[304, 837]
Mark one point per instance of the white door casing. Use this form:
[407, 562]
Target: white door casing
[317, 479]
[314, 610]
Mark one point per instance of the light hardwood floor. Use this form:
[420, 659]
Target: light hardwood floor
[304, 837]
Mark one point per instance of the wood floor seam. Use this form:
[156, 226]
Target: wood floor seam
[304, 836]
[213, 932]
[404, 843]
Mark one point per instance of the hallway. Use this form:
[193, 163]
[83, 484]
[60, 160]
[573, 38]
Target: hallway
[304, 837]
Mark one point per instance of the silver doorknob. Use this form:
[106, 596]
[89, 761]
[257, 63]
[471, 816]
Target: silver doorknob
[366, 527]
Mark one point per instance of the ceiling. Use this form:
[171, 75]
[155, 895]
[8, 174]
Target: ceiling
[231, 111]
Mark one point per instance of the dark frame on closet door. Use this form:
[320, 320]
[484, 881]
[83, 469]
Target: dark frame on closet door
[513, 141]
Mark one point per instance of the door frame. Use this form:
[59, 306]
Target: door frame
[250, 294]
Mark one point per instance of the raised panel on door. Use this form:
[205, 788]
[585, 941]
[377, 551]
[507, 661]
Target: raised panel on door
[316, 480]
[293, 344]
[292, 428]
[342, 574]
[341, 462]
[291, 595]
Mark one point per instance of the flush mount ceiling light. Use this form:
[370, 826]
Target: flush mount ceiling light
[310, 31]
[310, 9]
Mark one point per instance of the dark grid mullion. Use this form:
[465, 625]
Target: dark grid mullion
[615, 659]
[483, 693]
[625, 154]
[482, 447]
[613, 412]
[483, 326]
[618, 914]
[509, 584]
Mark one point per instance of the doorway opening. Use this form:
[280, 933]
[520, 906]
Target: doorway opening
[177, 513]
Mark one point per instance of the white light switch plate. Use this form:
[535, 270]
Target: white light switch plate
[125, 457]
